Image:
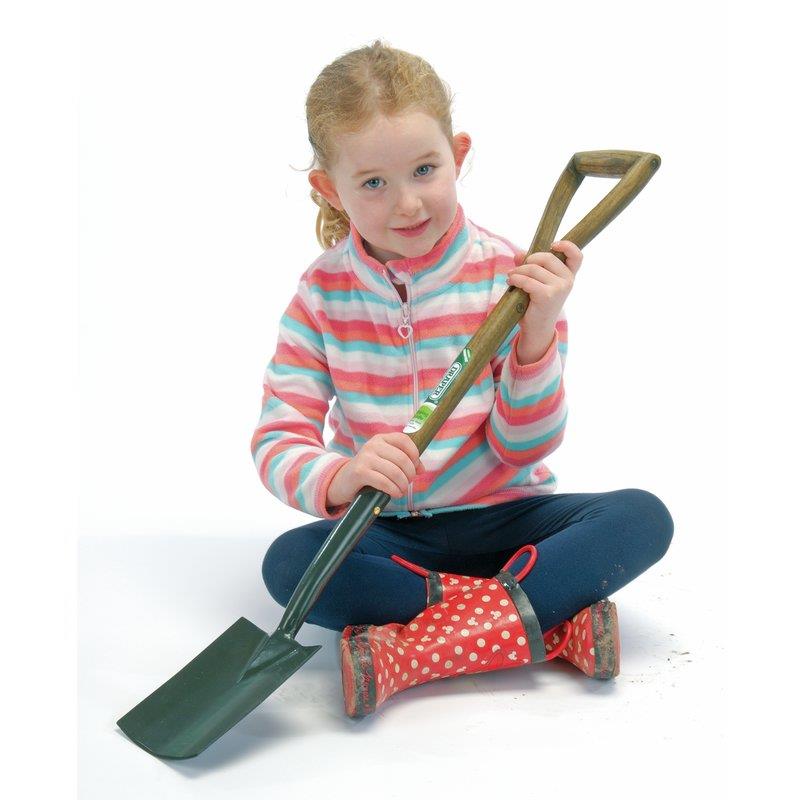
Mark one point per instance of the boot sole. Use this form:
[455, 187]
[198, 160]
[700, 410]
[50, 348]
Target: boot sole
[605, 632]
[358, 672]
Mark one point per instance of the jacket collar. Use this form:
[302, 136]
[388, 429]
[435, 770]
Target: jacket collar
[425, 272]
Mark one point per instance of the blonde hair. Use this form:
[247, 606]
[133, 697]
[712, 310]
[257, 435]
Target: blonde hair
[353, 90]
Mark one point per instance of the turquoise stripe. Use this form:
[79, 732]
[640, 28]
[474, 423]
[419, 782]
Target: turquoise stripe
[303, 331]
[293, 371]
[458, 289]
[529, 399]
[448, 342]
[528, 444]
[352, 296]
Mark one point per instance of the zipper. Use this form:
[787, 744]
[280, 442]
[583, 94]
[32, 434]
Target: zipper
[406, 331]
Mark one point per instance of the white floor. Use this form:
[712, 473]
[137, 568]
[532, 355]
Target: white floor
[149, 603]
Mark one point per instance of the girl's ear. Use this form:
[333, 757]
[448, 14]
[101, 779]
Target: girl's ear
[461, 144]
[321, 181]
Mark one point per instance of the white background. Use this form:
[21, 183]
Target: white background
[156, 220]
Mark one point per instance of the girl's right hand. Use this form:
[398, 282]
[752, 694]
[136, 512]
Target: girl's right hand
[387, 461]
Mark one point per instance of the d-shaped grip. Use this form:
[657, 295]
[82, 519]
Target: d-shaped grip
[611, 163]
[632, 167]
[636, 169]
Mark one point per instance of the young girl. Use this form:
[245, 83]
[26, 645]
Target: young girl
[405, 281]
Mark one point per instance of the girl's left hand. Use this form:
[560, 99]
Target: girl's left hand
[548, 282]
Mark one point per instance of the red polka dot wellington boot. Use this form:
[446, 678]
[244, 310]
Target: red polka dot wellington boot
[593, 646]
[487, 624]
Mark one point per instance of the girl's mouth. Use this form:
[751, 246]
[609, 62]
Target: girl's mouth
[412, 231]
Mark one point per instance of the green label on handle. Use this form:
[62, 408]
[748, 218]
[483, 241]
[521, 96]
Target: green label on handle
[433, 399]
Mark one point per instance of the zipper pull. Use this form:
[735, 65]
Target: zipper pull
[404, 329]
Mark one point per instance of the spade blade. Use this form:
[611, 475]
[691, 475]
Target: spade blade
[215, 690]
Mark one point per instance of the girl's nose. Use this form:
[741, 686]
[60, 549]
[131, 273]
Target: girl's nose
[408, 202]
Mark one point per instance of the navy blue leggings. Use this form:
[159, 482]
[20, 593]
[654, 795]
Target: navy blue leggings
[589, 546]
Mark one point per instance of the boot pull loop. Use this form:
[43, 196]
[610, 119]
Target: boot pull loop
[566, 628]
[527, 568]
[413, 567]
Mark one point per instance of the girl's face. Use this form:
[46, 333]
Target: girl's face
[397, 172]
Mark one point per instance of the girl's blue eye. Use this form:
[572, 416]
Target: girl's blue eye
[370, 180]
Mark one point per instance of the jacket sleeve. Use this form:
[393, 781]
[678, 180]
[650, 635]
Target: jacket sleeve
[529, 414]
[287, 445]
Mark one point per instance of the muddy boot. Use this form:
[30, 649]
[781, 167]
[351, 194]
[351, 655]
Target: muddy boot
[594, 646]
[483, 624]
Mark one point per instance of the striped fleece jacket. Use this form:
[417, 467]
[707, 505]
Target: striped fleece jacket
[347, 335]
